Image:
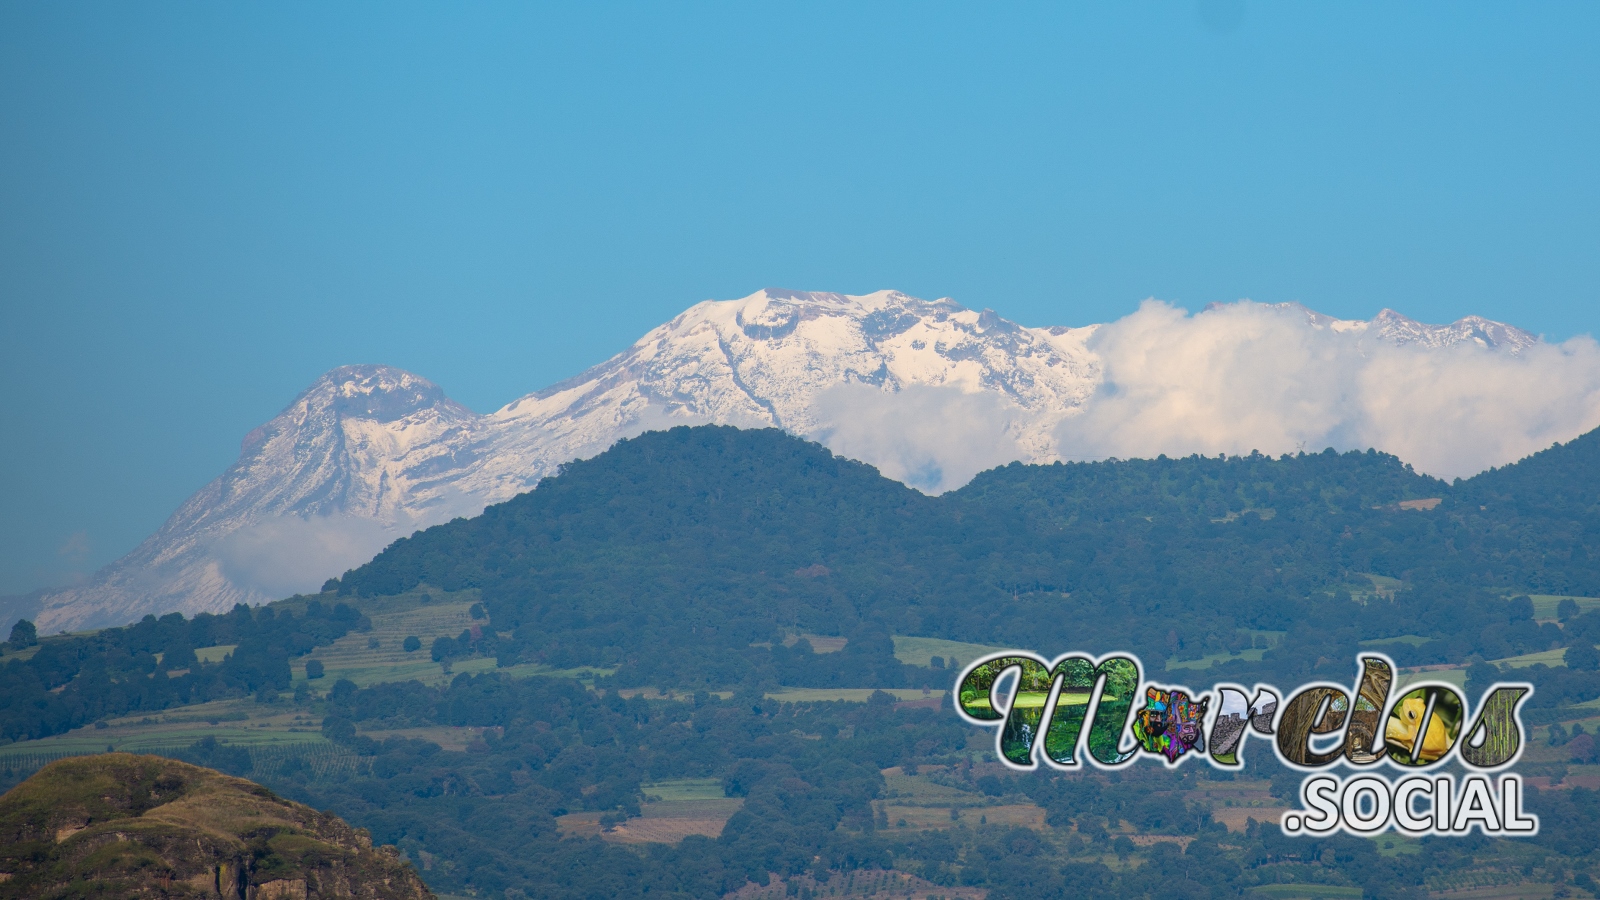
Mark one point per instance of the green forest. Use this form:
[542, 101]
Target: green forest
[637, 614]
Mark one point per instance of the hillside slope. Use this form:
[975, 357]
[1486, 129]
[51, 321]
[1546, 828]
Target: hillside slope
[120, 825]
[674, 553]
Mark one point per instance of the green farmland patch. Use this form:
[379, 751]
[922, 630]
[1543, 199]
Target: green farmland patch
[1036, 699]
[379, 655]
[241, 722]
[920, 790]
[918, 651]
[1544, 605]
[847, 695]
[1550, 658]
[683, 789]
[1414, 640]
[1253, 654]
[215, 654]
[1307, 892]
[1383, 585]
[1455, 675]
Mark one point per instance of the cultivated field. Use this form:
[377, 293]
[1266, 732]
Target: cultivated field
[919, 802]
[368, 658]
[864, 884]
[1307, 892]
[917, 651]
[672, 811]
[1548, 657]
[1544, 605]
[242, 722]
[682, 789]
[848, 695]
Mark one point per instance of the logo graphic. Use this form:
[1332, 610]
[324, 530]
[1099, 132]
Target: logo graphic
[1040, 709]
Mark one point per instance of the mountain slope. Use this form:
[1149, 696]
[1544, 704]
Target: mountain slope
[365, 455]
[672, 555]
[927, 391]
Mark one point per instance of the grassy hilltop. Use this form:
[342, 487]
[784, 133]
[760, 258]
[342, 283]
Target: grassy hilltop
[119, 825]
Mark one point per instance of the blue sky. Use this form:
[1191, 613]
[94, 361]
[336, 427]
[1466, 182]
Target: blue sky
[203, 207]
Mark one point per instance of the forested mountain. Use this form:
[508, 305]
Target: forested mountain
[690, 570]
[672, 554]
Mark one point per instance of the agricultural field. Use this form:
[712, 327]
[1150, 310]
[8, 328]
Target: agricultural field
[264, 730]
[1383, 585]
[1306, 892]
[1034, 699]
[1414, 640]
[1391, 844]
[917, 651]
[1261, 642]
[1235, 803]
[847, 695]
[820, 643]
[672, 811]
[925, 818]
[922, 803]
[375, 656]
[379, 655]
[1551, 658]
[1544, 605]
[861, 884]
[449, 737]
[920, 790]
[683, 789]
[1480, 885]
[1253, 654]
[1452, 675]
[213, 654]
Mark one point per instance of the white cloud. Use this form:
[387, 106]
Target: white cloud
[932, 438]
[1248, 377]
[293, 555]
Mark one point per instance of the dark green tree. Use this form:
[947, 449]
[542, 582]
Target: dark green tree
[23, 634]
[1582, 657]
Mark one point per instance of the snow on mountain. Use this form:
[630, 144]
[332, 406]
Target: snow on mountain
[928, 391]
[1395, 329]
[794, 361]
[362, 454]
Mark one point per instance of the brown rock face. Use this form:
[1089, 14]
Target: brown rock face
[120, 825]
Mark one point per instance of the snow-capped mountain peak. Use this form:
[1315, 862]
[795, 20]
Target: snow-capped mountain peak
[929, 391]
[1398, 330]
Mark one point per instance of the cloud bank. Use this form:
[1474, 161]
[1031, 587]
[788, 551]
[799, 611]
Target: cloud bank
[1248, 377]
[931, 438]
[292, 555]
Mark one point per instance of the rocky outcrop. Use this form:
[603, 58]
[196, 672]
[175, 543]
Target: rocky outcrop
[121, 825]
